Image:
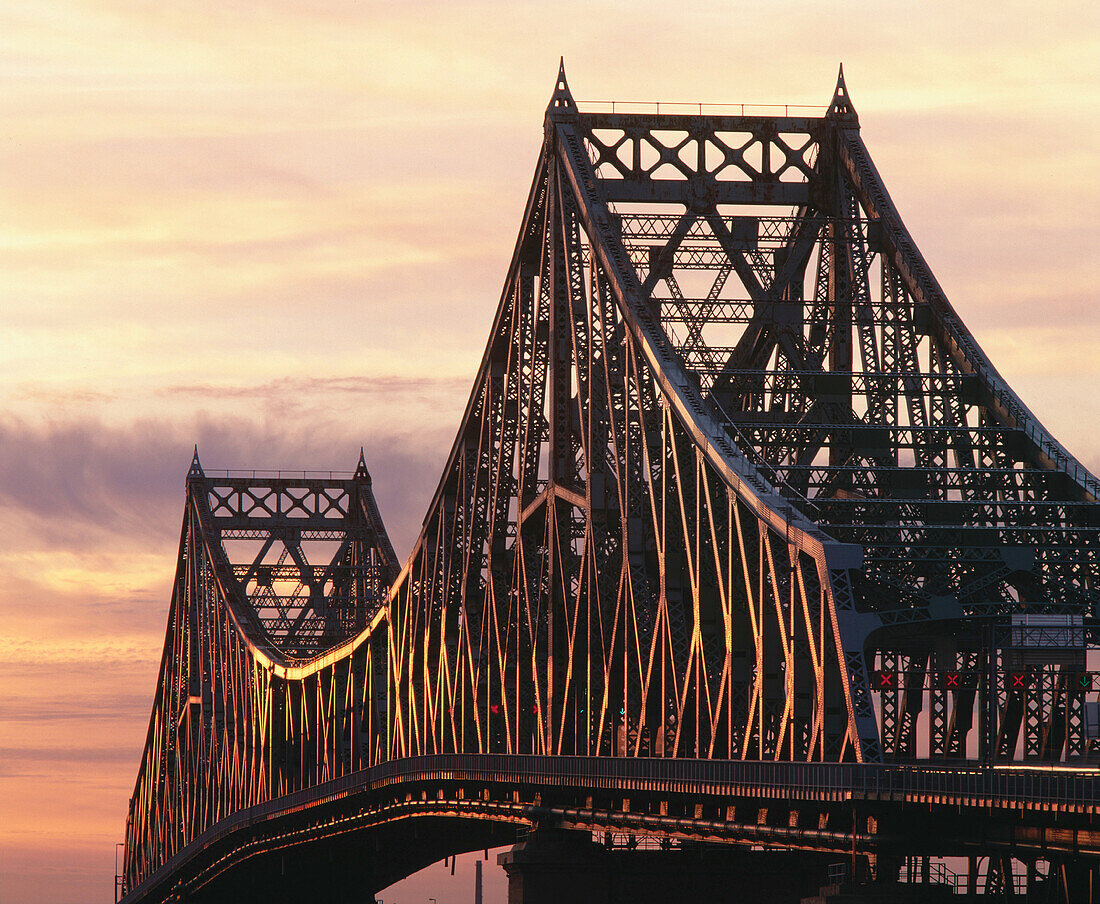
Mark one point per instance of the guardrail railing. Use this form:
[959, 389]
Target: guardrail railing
[699, 108]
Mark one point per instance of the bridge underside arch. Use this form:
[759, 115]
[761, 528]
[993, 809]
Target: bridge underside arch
[350, 865]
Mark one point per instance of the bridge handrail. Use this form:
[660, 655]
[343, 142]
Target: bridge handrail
[280, 474]
[700, 107]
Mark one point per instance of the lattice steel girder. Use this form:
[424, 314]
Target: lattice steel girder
[239, 502]
[687, 193]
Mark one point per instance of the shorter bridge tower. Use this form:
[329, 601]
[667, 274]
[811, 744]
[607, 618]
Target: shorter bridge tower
[275, 569]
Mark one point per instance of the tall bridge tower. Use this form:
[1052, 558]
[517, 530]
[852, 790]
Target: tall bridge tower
[742, 538]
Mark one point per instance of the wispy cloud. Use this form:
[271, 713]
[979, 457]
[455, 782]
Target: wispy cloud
[434, 393]
[82, 485]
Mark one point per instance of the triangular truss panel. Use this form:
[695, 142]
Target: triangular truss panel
[308, 554]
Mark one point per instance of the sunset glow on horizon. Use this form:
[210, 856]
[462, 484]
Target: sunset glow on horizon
[280, 231]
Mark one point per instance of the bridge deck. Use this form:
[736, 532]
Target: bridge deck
[540, 788]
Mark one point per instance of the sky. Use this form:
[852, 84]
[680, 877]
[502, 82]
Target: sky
[279, 230]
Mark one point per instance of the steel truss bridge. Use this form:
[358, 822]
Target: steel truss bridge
[742, 539]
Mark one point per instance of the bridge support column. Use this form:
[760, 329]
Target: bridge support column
[552, 865]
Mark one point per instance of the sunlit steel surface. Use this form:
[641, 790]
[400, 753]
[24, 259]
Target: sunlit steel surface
[734, 483]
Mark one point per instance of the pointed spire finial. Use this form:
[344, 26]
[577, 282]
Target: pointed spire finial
[361, 472]
[841, 106]
[195, 472]
[562, 100]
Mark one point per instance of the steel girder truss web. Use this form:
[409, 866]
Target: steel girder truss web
[731, 466]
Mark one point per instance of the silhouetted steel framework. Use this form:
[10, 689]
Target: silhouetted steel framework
[732, 466]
